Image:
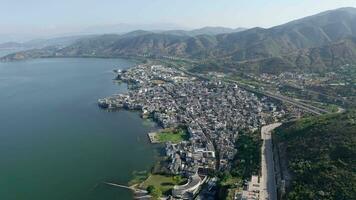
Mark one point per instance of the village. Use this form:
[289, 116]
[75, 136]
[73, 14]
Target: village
[212, 112]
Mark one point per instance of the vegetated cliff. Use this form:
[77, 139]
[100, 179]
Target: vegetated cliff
[320, 153]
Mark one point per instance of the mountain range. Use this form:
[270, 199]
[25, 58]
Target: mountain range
[58, 42]
[315, 43]
[67, 40]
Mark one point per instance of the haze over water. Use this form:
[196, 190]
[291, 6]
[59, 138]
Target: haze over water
[55, 143]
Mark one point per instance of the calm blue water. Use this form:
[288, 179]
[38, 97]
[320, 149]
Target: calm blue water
[55, 143]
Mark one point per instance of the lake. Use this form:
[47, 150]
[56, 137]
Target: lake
[55, 143]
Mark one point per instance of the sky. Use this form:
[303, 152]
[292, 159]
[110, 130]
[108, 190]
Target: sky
[46, 17]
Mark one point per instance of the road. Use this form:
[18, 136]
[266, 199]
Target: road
[306, 107]
[268, 188]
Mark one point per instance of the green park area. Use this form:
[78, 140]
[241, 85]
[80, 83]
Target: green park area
[138, 177]
[172, 135]
[163, 183]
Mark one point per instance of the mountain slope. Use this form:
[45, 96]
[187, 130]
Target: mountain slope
[42, 43]
[204, 31]
[320, 154]
[322, 58]
[313, 43]
[317, 59]
[312, 31]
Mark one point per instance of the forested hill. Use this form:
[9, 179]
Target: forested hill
[318, 42]
[321, 156]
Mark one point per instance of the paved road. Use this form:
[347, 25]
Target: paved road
[304, 106]
[268, 188]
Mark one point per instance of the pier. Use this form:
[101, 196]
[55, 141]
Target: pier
[152, 137]
[138, 193]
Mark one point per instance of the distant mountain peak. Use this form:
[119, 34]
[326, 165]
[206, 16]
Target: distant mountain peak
[349, 9]
[326, 16]
[312, 42]
[207, 30]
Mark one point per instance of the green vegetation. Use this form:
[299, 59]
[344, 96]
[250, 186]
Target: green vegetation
[163, 183]
[317, 97]
[278, 49]
[227, 180]
[228, 185]
[321, 156]
[155, 192]
[138, 177]
[343, 86]
[332, 108]
[248, 157]
[246, 163]
[247, 81]
[172, 135]
[230, 195]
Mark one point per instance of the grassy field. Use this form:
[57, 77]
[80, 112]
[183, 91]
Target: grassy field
[138, 177]
[172, 135]
[164, 183]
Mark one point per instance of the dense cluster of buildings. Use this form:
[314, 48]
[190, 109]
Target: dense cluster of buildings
[299, 80]
[212, 111]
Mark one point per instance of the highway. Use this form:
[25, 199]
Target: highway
[306, 107]
[268, 189]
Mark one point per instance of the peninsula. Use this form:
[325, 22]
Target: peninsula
[212, 112]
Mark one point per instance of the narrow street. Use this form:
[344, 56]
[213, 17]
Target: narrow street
[268, 184]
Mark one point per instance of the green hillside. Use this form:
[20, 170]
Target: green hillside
[312, 44]
[321, 156]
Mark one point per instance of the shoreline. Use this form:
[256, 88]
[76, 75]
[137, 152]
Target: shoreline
[135, 59]
[138, 183]
[152, 138]
[175, 99]
[102, 140]
[136, 187]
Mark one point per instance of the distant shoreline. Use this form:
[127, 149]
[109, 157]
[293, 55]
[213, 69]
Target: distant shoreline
[135, 59]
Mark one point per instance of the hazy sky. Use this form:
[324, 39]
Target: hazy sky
[59, 16]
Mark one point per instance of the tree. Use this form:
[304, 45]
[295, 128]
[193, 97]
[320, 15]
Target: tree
[177, 179]
[150, 188]
[155, 192]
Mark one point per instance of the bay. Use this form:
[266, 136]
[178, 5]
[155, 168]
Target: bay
[55, 143]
